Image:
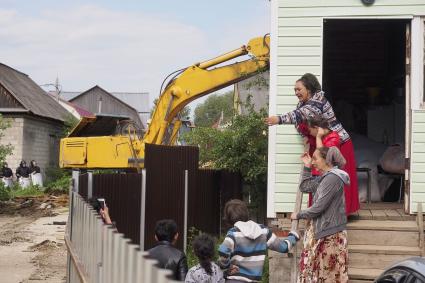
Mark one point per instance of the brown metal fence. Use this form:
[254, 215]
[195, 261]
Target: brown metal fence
[165, 166]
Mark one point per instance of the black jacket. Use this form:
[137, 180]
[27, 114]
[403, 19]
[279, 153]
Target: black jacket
[22, 172]
[6, 172]
[170, 258]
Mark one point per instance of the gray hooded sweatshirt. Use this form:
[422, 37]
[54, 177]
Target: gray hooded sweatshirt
[328, 209]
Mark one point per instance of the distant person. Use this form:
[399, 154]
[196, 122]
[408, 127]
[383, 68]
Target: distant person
[100, 206]
[23, 174]
[34, 167]
[6, 174]
[206, 271]
[246, 244]
[168, 256]
[35, 174]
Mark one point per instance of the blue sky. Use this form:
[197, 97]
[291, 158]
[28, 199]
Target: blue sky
[122, 45]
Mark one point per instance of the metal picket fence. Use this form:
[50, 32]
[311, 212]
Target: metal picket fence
[98, 253]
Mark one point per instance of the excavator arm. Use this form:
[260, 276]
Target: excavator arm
[122, 151]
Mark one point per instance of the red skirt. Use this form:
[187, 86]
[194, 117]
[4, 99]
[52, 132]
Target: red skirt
[352, 203]
[351, 193]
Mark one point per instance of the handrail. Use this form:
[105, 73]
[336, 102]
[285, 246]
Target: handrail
[82, 274]
[420, 220]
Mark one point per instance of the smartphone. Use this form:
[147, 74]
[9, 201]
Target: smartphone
[101, 202]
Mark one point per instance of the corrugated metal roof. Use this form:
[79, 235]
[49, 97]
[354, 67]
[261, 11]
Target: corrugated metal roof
[138, 100]
[30, 95]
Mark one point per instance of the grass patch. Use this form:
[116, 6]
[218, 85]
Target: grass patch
[30, 191]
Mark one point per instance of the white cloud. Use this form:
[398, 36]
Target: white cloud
[120, 51]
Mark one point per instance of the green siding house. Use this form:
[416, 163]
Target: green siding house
[370, 61]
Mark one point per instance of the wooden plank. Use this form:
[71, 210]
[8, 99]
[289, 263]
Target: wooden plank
[404, 215]
[344, 4]
[378, 214]
[363, 273]
[351, 11]
[386, 250]
[393, 214]
[365, 214]
[383, 225]
[381, 205]
[377, 237]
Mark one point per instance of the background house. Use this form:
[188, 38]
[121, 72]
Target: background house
[131, 104]
[36, 120]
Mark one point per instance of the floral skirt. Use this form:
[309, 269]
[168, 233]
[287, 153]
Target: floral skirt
[324, 260]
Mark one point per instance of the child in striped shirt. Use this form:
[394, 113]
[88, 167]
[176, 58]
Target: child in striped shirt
[246, 244]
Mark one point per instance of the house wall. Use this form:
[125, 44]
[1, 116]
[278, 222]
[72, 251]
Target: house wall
[417, 186]
[297, 29]
[33, 138]
[14, 136]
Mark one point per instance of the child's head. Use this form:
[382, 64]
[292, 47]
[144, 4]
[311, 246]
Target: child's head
[204, 249]
[235, 210]
[166, 230]
[314, 123]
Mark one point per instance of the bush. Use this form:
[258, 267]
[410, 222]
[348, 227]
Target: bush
[5, 193]
[59, 186]
[58, 180]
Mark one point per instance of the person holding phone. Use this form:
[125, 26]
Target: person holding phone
[99, 204]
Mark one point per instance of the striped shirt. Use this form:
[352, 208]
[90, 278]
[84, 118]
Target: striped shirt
[245, 246]
[318, 105]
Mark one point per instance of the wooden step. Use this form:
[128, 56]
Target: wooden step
[388, 233]
[387, 225]
[386, 250]
[381, 261]
[360, 281]
[363, 273]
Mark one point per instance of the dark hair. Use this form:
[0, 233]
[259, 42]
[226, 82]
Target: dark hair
[22, 163]
[32, 162]
[204, 249]
[94, 203]
[310, 82]
[317, 122]
[165, 230]
[235, 210]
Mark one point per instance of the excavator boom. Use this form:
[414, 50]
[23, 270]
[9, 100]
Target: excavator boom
[125, 151]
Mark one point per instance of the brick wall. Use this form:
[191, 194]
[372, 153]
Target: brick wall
[33, 138]
[13, 136]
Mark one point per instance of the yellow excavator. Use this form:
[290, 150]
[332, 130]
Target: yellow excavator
[95, 143]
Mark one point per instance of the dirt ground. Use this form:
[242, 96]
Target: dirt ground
[32, 247]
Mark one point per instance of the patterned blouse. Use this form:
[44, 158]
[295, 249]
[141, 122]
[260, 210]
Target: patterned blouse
[318, 105]
[198, 275]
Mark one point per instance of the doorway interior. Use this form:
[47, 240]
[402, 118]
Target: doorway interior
[364, 71]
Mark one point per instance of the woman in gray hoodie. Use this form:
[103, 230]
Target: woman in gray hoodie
[326, 258]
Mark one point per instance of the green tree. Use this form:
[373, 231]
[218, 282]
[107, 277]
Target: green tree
[207, 113]
[240, 147]
[5, 149]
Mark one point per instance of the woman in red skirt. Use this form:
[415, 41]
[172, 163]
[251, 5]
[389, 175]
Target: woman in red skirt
[313, 103]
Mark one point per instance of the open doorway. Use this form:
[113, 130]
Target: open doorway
[364, 71]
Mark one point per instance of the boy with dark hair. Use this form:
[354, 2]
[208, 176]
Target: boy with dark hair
[246, 244]
[165, 253]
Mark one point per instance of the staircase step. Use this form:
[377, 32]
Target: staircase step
[392, 233]
[380, 261]
[384, 250]
[386, 225]
[363, 273]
